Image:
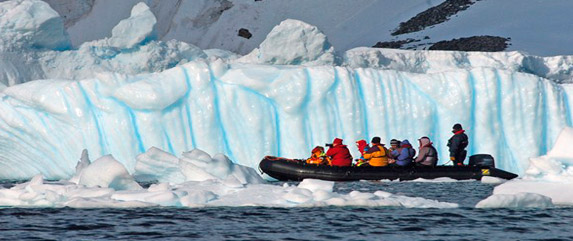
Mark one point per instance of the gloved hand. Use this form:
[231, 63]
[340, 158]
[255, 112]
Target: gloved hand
[452, 158]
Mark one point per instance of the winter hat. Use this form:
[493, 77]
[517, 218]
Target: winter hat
[361, 143]
[405, 143]
[337, 141]
[457, 127]
[394, 142]
[376, 140]
[424, 141]
[318, 149]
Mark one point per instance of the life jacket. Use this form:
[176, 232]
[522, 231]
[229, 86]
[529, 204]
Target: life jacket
[431, 156]
[377, 156]
[316, 158]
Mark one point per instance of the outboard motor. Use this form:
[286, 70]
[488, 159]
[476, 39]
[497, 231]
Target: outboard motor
[482, 160]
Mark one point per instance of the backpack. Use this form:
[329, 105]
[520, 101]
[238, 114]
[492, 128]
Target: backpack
[411, 152]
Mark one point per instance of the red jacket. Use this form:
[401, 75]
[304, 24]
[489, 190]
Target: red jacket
[340, 156]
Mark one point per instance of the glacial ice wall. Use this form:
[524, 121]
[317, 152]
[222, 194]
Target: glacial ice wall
[248, 111]
[118, 97]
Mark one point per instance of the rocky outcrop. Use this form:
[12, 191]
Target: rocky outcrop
[475, 43]
[394, 44]
[433, 16]
[245, 33]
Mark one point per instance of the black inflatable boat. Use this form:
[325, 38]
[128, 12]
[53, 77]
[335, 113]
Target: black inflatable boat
[285, 169]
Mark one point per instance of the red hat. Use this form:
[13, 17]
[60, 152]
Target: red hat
[318, 149]
[337, 141]
[361, 143]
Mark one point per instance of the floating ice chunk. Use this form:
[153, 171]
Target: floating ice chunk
[159, 187]
[197, 198]
[293, 42]
[81, 165]
[31, 24]
[95, 203]
[519, 200]
[550, 175]
[107, 172]
[561, 193]
[195, 165]
[158, 165]
[298, 195]
[492, 180]
[137, 28]
[439, 179]
[315, 185]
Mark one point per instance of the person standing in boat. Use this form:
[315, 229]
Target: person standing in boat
[428, 155]
[457, 145]
[339, 154]
[377, 155]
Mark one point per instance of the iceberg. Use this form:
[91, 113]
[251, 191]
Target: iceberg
[549, 176]
[248, 111]
[518, 200]
[196, 165]
[123, 96]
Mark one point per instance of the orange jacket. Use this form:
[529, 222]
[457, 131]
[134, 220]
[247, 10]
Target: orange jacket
[377, 156]
[317, 158]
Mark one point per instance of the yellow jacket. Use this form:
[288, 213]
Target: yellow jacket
[318, 158]
[377, 156]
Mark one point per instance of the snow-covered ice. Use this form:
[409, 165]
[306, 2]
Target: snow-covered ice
[34, 45]
[293, 42]
[142, 103]
[31, 24]
[549, 177]
[249, 111]
[211, 182]
[518, 200]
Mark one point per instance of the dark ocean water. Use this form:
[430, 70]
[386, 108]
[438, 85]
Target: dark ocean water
[325, 223]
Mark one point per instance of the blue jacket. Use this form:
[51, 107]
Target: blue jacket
[405, 154]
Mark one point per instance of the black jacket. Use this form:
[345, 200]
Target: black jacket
[457, 144]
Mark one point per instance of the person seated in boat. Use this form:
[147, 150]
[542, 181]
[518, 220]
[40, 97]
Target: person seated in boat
[394, 145]
[405, 145]
[393, 151]
[339, 154]
[362, 148]
[318, 156]
[403, 153]
[377, 155]
[428, 155]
